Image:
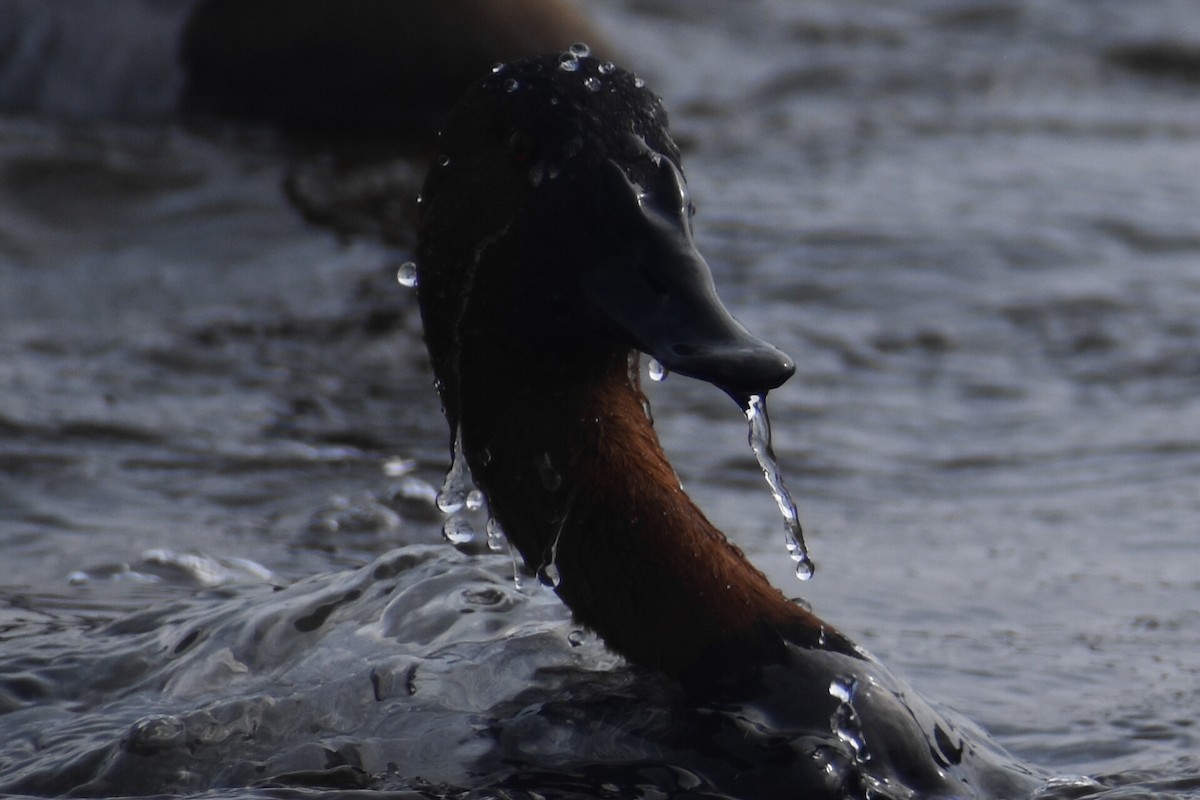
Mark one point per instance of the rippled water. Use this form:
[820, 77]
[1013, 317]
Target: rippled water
[974, 225]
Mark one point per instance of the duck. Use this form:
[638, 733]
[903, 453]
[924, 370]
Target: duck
[554, 249]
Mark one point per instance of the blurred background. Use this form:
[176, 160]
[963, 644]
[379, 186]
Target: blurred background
[975, 225]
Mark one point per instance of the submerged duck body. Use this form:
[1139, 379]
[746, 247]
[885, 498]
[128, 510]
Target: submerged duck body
[554, 245]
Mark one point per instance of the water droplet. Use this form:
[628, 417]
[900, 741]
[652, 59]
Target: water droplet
[474, 500]
[499, 65]
[568, 62]
[760, 443]
[495, 535]
[450, 502]
[657, 372]
[606, 68]
[453, 494]
[407, 274]
[420, 199]
[443, 161]
[548, 576]
[511, 85]
[576, 638]
[458, 530]
[592, 83]
[580, 50]
[638, 83]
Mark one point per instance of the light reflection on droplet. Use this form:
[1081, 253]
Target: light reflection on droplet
[657, 372]
[406, 274]
[458, 530]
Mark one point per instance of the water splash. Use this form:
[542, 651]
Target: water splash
[844, 721]
[760, 443]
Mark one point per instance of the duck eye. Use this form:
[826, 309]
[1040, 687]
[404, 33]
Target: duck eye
[520, 146]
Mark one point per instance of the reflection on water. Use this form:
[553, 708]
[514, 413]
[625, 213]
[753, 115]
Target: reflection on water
[973, 225]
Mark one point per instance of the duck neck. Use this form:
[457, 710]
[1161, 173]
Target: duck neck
[577, 478]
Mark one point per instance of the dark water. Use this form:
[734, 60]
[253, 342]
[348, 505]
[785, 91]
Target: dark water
[974, 225]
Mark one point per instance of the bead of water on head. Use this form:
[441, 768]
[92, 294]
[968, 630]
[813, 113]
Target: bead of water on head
[638, 83]
[760, 442]
[657, 372]
[568, 62]
[511, 85]
[499, 65]
[606, 68]
[592, 83]
[580, 50]
[406, 274]
[457, 530]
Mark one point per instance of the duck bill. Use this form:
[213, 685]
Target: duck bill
[658, 291]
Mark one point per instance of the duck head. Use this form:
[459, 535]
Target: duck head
[556, 222]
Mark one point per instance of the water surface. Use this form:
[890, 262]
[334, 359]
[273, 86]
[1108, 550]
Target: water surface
[975, 227]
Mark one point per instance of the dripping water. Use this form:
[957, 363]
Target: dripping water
[760, 443]
[548, 574]
[454, 496]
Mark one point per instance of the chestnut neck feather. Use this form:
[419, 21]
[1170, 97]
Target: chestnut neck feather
[574, 472]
